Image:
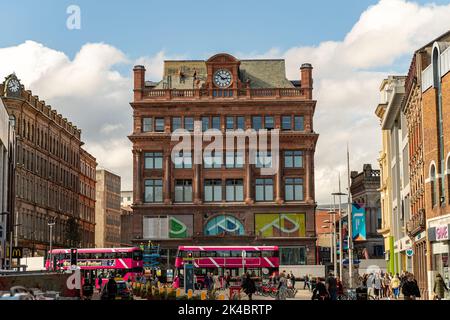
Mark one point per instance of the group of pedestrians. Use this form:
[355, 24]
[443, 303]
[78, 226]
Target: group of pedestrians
[328, 290]
[388, 286]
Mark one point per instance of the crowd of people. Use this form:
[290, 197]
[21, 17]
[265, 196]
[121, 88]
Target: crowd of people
[378, 285]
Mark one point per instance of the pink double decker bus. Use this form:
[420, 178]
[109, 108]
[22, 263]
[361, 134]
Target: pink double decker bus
[260, 261]
[126, 262]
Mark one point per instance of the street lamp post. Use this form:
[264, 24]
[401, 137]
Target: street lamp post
[51, 223]
[341, 247]
[333, 212]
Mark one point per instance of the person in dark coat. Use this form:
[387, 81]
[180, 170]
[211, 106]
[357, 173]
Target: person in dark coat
[111, 286]
[410, 289]
[320, 291]
[249, 286]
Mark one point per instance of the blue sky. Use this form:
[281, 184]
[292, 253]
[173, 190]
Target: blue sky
[195, 28]
[352, 44]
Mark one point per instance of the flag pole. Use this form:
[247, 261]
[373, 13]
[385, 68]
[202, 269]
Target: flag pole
[350, 224]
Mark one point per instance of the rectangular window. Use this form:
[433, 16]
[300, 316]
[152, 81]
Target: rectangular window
[183, 191]
[286, 123]
[205, 123]
[147, 124]
[153, 160]
[257, 122]
[189, 123]
[230, 123]
[234, 190]
[240, 122]
[293, 159]
[159, 124]
[299, 123]
[269, 123]
[216, 123]
[212, 160]
[234, 159]
[264, 190]
[153, 190]
[294, 189]
[263, 159]
[183, 160]
[176, 123]
[213, 190]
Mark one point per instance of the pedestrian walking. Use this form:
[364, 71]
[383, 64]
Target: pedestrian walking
[340, 287]
[370, 284]
[248, 286]
[377, 285]
[227, 280]
[282, 287]
[100, 282]
[306, 282]
[395, 285]
[111, 287]
[292, 279]
[410, 289]
[216, 282]
[439, 287]
[386, 286]
[331, 285]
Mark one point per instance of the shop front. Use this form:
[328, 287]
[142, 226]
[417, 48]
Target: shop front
[415, 229]
[438, 236]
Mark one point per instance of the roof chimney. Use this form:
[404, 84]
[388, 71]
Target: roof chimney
[306, 79]
[139, 82]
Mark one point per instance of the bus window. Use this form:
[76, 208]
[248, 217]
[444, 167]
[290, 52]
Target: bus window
[236, 253]
[223, 254]
[137, 255]
[207, 253]
[253, 254]
[98, 255]
[268, 253]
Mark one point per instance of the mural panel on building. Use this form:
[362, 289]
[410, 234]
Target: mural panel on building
[280, 225]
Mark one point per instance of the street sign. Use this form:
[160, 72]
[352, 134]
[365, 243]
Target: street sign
[17, 252]
[409, 252]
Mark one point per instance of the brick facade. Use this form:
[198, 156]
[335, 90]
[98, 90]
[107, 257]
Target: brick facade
[190, 92]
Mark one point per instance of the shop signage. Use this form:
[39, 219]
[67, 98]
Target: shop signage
[442, 233]
[410, 252]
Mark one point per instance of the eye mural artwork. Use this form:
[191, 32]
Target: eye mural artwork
[280, 225]
[224, 224]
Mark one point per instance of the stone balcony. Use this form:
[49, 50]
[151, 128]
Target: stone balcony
[206, 94]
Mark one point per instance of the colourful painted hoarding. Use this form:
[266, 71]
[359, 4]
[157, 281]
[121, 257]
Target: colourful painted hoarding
[280, 225]
[358, 223]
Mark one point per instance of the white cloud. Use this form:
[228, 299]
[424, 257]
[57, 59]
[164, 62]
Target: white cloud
[347, 89]
[94, 96]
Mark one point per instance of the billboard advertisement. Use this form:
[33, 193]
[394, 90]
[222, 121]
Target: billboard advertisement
[358, 223]
[280, 225]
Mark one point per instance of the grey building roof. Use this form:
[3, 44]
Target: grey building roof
[262, 73]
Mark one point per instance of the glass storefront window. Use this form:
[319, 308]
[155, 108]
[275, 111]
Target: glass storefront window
[293, 255]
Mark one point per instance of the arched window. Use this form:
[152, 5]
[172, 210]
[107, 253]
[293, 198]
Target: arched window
[433, 185]
[224, 224]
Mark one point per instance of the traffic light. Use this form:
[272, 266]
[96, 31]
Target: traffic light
[73, 257]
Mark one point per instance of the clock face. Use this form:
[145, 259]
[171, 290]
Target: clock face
[222, 78]
[13, 85]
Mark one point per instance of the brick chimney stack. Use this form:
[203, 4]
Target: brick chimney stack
[139, 82]
[306, 79]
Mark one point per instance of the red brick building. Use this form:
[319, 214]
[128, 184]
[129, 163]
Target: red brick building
[435, 88]
[224, 200]
[48, 175]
